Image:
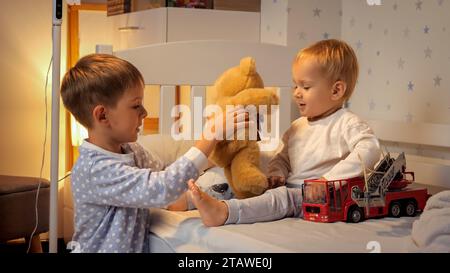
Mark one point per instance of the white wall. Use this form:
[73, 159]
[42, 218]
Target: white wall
[274, 19]
[94, 29]
[25, 53]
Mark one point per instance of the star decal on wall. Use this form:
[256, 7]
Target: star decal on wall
[411, 86]
[395, 6]
[358, 45]
[409, 117]
[401, 63]
[437, 81]
[426, 30]
[428, 52]
[326, 35]
[317, 12]
[372, 105]
[419, 5]
[406, 32]
[302, 36]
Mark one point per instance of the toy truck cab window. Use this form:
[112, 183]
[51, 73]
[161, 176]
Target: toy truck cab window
[310, 188]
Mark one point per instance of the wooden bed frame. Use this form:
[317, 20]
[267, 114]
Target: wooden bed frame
[199, 63]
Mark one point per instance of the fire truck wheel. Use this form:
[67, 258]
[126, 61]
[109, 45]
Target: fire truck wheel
[395, 209]
[355, 215]
[410, 208]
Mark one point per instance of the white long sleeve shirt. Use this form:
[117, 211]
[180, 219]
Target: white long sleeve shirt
[327, 148]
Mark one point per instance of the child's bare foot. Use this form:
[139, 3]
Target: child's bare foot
[180, 204]
[212, 211]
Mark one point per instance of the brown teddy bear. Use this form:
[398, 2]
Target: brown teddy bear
[242, 85]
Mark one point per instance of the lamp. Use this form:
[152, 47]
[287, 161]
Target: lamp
[57, 14]
[54, 159]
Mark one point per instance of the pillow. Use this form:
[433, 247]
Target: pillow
[164, 147]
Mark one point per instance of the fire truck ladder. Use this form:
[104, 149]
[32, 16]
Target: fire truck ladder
[379, 180]
[379, 183]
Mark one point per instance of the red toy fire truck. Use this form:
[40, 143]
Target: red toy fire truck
[386, 191]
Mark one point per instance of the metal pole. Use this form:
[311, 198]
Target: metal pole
[54, 160]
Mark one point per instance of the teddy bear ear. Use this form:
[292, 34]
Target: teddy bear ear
[248, 66]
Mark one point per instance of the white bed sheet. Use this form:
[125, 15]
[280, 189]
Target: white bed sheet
[184, 232]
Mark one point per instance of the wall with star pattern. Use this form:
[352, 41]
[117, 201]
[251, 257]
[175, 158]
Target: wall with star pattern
[403, 47]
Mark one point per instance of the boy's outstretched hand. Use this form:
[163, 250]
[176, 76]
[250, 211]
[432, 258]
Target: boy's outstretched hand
[226, 124]
[216, 129]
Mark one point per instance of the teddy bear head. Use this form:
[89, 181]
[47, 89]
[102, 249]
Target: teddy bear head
[238, 78]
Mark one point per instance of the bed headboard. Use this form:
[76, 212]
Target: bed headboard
[199, 63]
